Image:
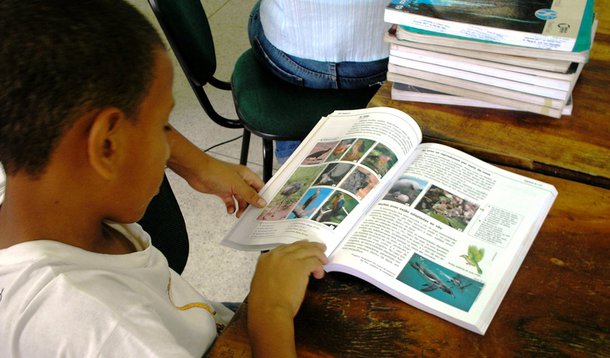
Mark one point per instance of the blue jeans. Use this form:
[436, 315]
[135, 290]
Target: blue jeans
[311, 73]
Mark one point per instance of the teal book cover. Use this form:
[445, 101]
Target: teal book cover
[553, 24]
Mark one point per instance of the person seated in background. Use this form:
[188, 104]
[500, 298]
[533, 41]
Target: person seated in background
[85, 139]
[320, 44]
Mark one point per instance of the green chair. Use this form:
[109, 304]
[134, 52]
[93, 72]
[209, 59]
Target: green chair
[265, 105]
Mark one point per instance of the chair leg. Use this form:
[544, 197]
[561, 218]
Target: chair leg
[267, 159]
[245, 146]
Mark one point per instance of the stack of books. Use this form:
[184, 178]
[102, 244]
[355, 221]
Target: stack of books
[507, 54]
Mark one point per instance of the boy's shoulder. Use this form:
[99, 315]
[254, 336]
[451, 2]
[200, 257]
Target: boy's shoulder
[98, 302]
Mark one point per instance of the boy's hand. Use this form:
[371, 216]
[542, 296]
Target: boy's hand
[232, 183]
[276, 293]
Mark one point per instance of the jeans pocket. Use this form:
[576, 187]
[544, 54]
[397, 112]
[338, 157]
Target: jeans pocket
[273, 59]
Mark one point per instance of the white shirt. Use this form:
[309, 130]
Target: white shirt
[327, 30]
[57, 300]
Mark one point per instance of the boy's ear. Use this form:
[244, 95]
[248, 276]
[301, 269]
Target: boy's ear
[105, 140]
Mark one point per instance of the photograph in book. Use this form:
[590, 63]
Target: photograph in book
[447, 208]
[553, 24]
[428, 224]
[351, 166]
[440, 283]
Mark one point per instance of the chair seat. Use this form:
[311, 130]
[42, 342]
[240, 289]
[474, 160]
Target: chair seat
[275, 109]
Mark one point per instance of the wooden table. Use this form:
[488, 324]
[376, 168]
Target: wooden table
[559, 302]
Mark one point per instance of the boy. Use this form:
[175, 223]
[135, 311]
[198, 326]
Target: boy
[84, 139]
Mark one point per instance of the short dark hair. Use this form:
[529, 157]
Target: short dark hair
[60, 59]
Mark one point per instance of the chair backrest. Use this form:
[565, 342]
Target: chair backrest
[186, 27]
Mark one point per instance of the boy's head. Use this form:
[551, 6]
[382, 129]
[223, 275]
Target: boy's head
[84, 102]
[60, 59]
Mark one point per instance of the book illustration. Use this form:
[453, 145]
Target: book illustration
[440, 283]
[340, 149]
[457, 281]
[283, 203]
[336, 209]
[357, 150]
[474, 256]
[360, 182]
[310, 202]
[405, 190]
[333, 174]
[447, 208]
[306, 186]
[380, 159]
[319, 153]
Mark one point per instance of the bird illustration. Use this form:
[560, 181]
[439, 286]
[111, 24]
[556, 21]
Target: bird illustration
[333, 175]
[292, 188]
[332, 210]
[318, 155]
[355, 151]
[310, 200]
[357, 181]
[403, 191]
[475, 255]
[341, 148]
[380, 163]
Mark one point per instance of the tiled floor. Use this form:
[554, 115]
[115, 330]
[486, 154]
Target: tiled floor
[221, 273]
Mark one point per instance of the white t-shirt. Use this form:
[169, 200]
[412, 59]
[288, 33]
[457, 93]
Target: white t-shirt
[57, 300]
[327, 30]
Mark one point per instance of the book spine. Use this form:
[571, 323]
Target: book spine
[487, 68]
[526, 62]
[458, 78]
[427, 96]
[523, 104]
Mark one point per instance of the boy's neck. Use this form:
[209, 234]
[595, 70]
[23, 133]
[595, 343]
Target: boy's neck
[33, 212]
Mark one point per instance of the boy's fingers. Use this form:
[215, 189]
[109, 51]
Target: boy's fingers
[250, 195]
[302, 250]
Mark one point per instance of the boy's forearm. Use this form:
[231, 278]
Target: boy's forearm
[185, 157]
[271, 333]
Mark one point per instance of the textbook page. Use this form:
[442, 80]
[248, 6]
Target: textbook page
[333, 178]
[448, 236]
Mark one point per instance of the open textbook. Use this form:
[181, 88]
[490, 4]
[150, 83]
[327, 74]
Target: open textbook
[430, 225]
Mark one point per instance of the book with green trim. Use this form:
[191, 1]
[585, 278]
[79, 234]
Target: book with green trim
[557, 25]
